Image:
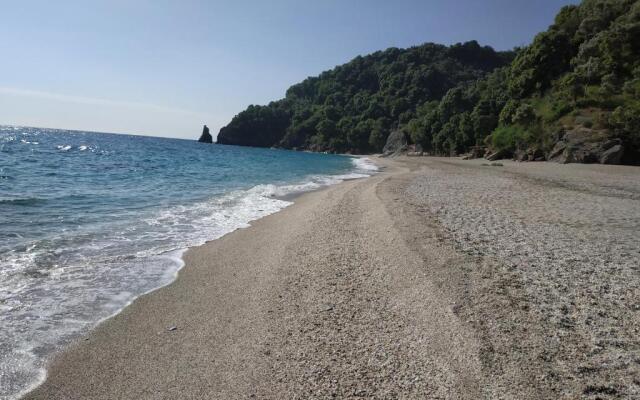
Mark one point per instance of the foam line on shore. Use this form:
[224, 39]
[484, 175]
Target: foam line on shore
[251, 204]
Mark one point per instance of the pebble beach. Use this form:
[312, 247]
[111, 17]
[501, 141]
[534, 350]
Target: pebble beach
[435, 278]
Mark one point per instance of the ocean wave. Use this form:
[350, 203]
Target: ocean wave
[316, 182]
[27, 201]
[62, 283]
[365, 164]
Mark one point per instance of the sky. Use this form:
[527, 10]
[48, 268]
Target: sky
[165, 68]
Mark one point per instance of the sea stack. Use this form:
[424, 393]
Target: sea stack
[206, 136]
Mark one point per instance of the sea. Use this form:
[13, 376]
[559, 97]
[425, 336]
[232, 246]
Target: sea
[90, 221]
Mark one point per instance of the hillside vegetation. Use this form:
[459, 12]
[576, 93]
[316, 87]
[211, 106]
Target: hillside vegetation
[354, 106]
[571, 95]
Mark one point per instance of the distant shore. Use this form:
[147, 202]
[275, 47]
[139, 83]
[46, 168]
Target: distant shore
[436, 278]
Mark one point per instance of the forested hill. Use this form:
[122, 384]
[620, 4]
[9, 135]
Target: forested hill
[571, 95]
[353, 107]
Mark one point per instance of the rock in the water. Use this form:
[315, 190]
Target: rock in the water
[396, 143]
[612, 155]
[206, 136]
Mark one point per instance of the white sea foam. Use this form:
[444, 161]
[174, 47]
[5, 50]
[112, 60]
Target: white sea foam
[365, 164]
[63, 147]
[101, 276]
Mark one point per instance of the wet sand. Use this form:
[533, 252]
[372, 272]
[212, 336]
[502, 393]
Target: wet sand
[436, 278]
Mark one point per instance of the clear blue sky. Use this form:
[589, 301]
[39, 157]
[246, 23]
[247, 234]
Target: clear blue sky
[164, 68]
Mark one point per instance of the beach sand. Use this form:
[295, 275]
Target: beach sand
[436, 278]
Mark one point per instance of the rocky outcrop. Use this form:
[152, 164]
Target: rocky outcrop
[584, 145]
[613, 155]
[530, 154]
[475, 152]
[396, 144]
[499, 155]
[206, 136]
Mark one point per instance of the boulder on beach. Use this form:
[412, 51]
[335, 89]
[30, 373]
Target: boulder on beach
[530, 154]
[475, 152]
[613, 155]
[396, 144]
[499, 155]
[583, 145]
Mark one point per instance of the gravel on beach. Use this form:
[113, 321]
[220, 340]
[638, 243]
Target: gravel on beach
[434, 279]
[557, 286]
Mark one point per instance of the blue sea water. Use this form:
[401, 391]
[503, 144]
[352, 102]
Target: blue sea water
[89, 221]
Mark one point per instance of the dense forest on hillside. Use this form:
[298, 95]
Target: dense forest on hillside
[354, 106]
[573, 95]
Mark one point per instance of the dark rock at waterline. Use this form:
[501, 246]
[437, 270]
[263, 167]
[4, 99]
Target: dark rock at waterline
[396, 144]
[206, 136]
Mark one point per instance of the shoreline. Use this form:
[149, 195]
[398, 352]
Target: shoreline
[92, 252]
[178, 257]
[369, 288]
[292, 198]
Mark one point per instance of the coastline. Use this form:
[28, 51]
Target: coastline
[361, 289]
[41, 388]
[284, 194]
[27, 354]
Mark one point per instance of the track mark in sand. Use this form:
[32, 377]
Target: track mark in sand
[350, 328]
